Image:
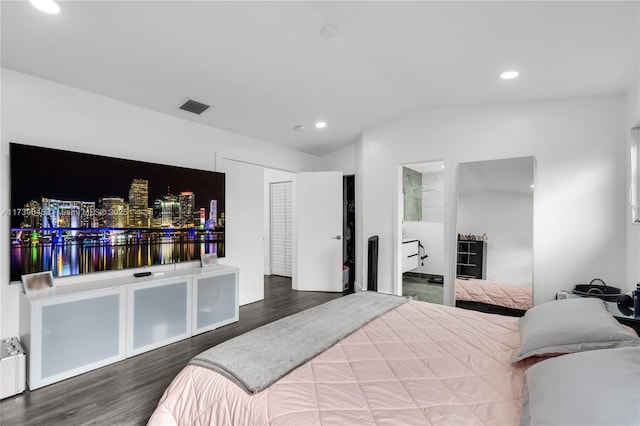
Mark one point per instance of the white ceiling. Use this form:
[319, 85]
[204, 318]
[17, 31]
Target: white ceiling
[505, 175]
[264, 68]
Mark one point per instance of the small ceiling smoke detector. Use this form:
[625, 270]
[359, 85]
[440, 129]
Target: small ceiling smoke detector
[46, 6]
[328, 31]
[509, 75]
[194, 106]
[299, 128]
[321, 124]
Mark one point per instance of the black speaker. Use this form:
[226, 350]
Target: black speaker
[372, 266]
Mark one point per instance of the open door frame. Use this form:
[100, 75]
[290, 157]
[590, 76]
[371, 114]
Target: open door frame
[449, 229]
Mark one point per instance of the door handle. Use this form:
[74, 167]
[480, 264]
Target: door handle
[337, 237]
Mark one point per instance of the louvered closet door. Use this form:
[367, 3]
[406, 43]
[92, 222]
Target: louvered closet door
[281, 228]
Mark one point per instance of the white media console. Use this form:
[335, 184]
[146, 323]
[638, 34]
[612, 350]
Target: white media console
[73, 329]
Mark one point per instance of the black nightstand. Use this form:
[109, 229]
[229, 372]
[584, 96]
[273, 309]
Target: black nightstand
[628, 320]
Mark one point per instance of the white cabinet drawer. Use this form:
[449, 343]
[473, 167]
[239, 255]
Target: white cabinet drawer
[410, 256]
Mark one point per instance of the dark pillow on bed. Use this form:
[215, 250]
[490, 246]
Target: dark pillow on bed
[600, 387]
[570, 325]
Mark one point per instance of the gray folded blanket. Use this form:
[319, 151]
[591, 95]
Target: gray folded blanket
[260, 357]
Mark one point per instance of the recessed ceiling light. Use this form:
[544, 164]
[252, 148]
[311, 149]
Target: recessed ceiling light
[299, 128]
[321, 124]
[46, 6]
[508, 75]
[532, 186]
[442, 166]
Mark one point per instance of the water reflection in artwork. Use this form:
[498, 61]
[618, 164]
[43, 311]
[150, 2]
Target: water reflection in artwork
[79, 257]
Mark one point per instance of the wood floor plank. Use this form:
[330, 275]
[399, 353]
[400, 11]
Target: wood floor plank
[126, 393]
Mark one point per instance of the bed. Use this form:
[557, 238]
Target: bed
[493, 297]
[419, 363]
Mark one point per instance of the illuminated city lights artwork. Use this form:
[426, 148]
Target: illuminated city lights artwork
[74, 213]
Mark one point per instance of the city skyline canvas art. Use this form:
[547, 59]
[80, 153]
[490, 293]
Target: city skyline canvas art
[74, 213]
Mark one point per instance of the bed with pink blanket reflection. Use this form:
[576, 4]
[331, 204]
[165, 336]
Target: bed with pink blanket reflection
[493, 297]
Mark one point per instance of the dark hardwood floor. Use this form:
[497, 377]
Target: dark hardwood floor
[126, 393]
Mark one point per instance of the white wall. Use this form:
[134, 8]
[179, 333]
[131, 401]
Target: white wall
[633, 229]
[271, 176]
[579, 214]
[342, 160]
[39, 112]
[507, 219]
[431, 236]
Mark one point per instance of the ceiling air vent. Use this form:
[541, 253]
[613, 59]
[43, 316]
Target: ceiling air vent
[194, 107]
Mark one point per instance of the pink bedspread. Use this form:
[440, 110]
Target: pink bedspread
[494, 293]
[419, 364]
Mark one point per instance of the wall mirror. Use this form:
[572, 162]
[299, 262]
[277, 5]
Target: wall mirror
[494, 262]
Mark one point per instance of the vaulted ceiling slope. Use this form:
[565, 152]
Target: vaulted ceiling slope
[264, 68]
[481, 176]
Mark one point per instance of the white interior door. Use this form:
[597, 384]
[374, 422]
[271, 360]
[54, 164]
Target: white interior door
[281, 228]
[317, 264]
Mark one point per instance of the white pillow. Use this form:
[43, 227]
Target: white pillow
[600, 387]
[570, 325]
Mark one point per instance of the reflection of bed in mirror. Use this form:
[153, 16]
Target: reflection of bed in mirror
[495, 236]
[493, 297]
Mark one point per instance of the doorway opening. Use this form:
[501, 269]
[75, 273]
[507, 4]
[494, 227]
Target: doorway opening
[295, 206]
[349, 233]
[422, 251]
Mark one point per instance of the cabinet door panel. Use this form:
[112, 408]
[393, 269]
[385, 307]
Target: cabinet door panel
[159, 315]
[73, 334]
[79, 333]
[216, 301]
